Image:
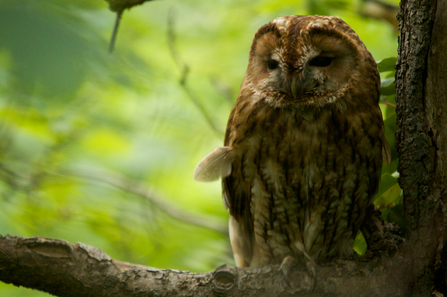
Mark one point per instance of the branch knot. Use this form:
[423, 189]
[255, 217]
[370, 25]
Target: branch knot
[224, 278]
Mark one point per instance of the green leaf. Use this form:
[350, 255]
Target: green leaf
[390, 132]
[360, 244]
[390, 74]
[387, 87]
[387, 64]
[389, 198]
[386, 183]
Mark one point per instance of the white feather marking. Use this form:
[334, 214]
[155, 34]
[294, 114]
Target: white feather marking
[281, 22]
[215, 165]
[236, 244]
[320, 22]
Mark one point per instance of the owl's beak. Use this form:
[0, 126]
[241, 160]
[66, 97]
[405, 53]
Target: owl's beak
[297, 85]
[294, 87]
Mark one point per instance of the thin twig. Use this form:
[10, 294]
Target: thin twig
[138, 189]
[389, 104]
[119, 6]
[115, 30]
[184, 68]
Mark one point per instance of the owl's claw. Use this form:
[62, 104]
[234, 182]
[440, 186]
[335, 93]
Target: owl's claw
[287, 265]
[311, 269]
[289, 262]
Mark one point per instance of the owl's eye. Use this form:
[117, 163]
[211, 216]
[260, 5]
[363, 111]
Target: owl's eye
[321, 61]
[272, 64]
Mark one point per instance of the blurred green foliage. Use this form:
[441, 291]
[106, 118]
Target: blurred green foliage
[100, 149]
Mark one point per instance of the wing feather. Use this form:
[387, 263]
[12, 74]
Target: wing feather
[237, 196]
[216, 164]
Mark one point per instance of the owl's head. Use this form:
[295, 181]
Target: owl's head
[310, 61]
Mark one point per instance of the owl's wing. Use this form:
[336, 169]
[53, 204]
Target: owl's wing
[215, 165]
[241, 237]
[237, 196]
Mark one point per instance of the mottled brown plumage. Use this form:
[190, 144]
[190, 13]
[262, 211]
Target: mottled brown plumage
[304, 143]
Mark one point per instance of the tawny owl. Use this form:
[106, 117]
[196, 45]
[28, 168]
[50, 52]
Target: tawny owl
[304, 143]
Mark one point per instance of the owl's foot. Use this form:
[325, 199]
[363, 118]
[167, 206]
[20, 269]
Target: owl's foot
[289, 262]
[311, 270]
[286, 265]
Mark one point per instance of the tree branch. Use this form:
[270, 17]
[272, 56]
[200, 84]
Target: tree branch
[82, 270]
[60, 268]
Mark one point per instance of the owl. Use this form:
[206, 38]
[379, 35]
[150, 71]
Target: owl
[304, 144]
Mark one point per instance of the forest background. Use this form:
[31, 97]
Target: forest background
[100, 148]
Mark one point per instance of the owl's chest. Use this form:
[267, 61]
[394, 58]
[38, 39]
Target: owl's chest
[299, 150]
[308, 176]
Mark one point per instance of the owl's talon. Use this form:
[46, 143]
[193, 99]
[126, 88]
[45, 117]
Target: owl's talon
[311, 270]
[286, 265]
[289, 262]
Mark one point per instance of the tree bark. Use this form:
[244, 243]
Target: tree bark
[421, 138]
[60, 268]
[436, 99]
[414, 139]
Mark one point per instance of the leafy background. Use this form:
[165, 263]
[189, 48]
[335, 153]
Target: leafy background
[100, 148]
